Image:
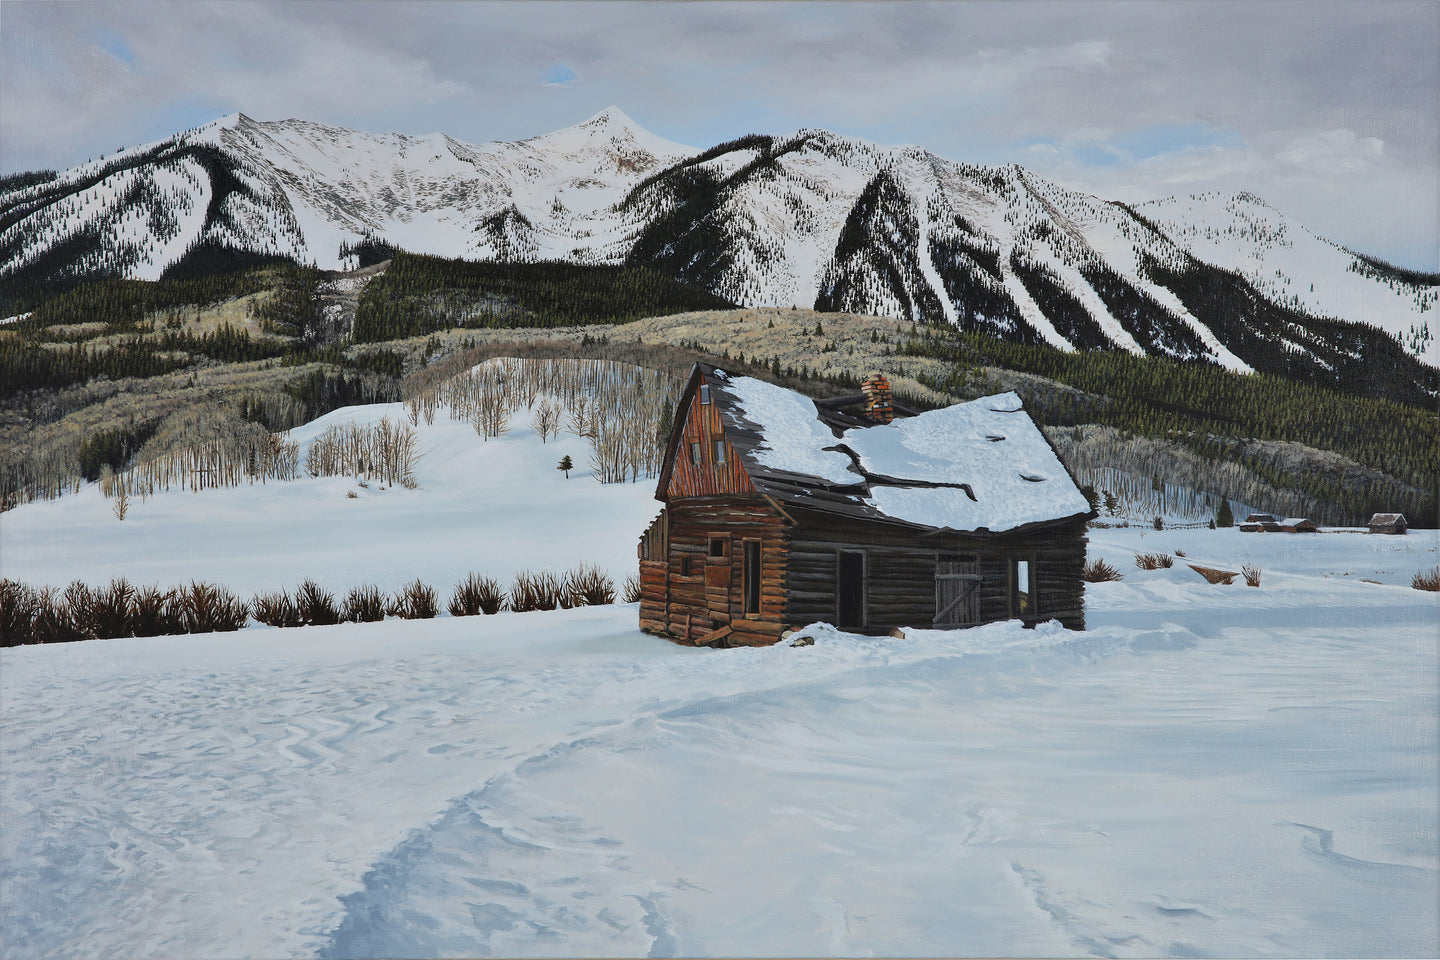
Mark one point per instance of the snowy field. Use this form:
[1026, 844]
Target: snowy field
[1206, 771]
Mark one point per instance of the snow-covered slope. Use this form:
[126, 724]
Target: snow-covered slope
[1206, 770]
[809, 218]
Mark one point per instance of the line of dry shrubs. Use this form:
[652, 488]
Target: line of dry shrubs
[79, 612]
[1154, 561]
[1427, 580]
[47, 615]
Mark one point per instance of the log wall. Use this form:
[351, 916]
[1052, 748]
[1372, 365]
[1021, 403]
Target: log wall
[693, 594]
[900, 572]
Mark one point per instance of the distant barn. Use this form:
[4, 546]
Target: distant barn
[1267, 523]
[1387, 523]
[781, 511]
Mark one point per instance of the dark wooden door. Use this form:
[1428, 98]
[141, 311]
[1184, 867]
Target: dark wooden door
[850, 590]
[957, 591]
[752, 576]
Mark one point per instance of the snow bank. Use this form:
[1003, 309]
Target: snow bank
[1206, 771]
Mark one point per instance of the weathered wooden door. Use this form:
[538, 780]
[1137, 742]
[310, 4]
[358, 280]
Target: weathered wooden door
[717, 580]
[850, 590]
[957, 590]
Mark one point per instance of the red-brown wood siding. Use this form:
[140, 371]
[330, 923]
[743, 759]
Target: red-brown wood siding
[687, 606]
[709, 479]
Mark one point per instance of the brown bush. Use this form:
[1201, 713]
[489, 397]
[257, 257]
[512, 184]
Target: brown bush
[1154, 561]
[276, 609]
[110, 611]
[79, 602]
[475, 595]
[1427, 580]
[588, 585]
[17, 612]
[632, 589]
[364, 604]
[155, 612]
[1251, 574]
[209, 608]
[1098, 571]
[315, 605]
[536, 591]
[415, 601]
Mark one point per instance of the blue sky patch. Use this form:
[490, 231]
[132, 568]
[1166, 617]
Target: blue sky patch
[114, 44]
[559, 75]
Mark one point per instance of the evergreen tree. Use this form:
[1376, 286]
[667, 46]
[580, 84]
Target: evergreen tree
[1224, 517]
[567, 465]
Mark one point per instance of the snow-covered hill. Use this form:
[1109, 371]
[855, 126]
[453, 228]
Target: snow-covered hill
[1207, 770]
[810, 218]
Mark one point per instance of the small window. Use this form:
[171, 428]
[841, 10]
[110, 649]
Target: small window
[704, 393]
[718, 546]
[695, 452]
[684, 564]
[719, 451]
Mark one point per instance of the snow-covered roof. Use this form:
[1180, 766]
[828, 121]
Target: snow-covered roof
[977, 466]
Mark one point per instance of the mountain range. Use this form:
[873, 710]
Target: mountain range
[811, 218]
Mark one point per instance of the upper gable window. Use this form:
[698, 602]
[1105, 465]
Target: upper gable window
[704, 393]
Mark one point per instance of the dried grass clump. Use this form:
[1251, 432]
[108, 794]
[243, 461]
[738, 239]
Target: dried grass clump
[110, 610]
[316, 605]
[1427, 580]
[79, 604]
[1154, 561]
[415, 601]
[209, 608]
[588, 585]
[536, 591]
[276, 609]
[475, 595]
[1098, 571]
[1251, 574]
[51, 622]
[18, 604]
[155, 612]
[632, 589]
[364, 604]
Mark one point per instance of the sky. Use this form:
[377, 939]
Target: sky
[1330, 111]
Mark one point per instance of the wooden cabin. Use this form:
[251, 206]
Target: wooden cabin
[781, 511]
[1267, 523]
[1391, 523]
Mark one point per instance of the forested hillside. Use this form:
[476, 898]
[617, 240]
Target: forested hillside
[116, 372]
[417, 295]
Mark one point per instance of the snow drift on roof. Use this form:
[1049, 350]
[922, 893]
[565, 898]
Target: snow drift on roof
[989, 445]
[971, 466]
[794, 440]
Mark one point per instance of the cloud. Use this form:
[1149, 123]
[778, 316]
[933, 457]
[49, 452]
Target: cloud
[1312, 99]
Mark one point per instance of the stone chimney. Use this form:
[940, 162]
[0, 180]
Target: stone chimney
[878, 406]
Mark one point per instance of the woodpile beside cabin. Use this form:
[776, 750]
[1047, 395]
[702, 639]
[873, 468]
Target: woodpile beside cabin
[781, 511]
[1392, 523]
[1266, 523]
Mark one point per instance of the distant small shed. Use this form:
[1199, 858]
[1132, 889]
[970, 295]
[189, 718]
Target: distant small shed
[1387, 523]
[1267, 523]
